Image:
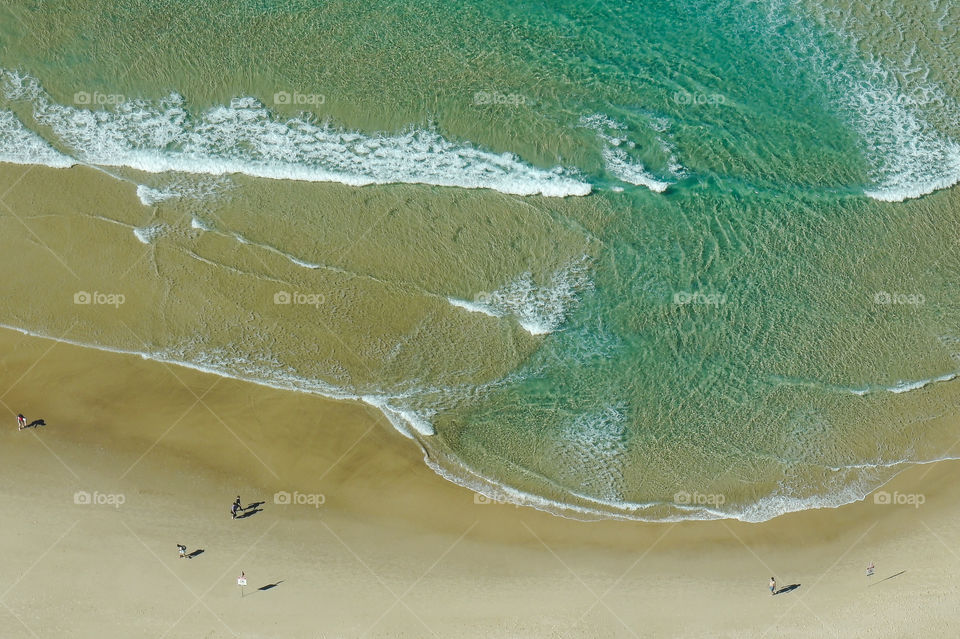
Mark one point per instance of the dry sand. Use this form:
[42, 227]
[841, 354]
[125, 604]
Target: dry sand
[394, 550]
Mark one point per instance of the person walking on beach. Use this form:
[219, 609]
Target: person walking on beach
[21, 422]
[773, 586]
[237, 507]
[182, 550]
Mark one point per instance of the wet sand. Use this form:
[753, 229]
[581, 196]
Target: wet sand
[393, 550]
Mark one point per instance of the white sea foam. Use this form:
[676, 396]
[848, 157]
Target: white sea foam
[782, 502]
[246, 138]
[615, 156]
[183, 188]
[901, 386]
[474, 307]
[149, 196]
[148, 234]
[402, 419]
[904, 387]
[619, 164]
[539, 309]
[911, 157]
[591, 449]
[890, 106]
[20, 145]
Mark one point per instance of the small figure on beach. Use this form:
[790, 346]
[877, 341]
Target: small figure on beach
[21, 422]
[182, 550]
[773, 586]
[236, 507]
[870, 570]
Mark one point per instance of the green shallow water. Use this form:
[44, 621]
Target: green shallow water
[752, 312]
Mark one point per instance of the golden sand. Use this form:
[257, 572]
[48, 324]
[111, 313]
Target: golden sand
[393, 550]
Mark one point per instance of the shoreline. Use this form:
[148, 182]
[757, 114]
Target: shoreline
[491, 570]
[476, 483]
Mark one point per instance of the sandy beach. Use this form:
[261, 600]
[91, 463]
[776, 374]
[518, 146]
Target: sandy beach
[551, 320]
[160, 452]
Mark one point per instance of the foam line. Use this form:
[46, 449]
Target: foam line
[245, 137]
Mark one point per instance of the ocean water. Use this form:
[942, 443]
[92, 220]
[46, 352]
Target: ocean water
[650, 260]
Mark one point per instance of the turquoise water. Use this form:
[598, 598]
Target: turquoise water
[635, 260]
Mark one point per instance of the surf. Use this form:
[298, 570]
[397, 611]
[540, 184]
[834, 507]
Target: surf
[245, 137]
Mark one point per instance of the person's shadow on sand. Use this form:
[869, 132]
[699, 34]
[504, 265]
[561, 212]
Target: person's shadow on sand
[251, 510]
[273, 585]
[786, 589]
[36, 423]
[195, 553]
